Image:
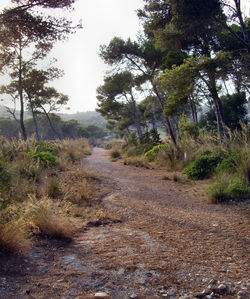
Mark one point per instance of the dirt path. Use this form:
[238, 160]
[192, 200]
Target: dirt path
[167, 244]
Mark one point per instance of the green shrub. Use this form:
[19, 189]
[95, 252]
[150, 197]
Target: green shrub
[46, 158]
[226, 188]
[5, 177]
[203, 166]
[229, 163]
[236, 189]
[43, 146]
[151, 155]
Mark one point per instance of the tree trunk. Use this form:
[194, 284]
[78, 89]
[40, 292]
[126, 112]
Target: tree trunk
[136, 119]
[20, 91]
[166, 119]
[35, 122]
[218, 105]
[51, 125]
[193, 109]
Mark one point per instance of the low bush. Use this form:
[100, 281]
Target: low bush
[152, 154]
[44, 146]
[46, 158]
[227, 188]
[204, 165]
[115, 154]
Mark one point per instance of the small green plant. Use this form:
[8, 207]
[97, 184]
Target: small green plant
[152, 154]
[43, 146]
[46, 158]
[227, 188]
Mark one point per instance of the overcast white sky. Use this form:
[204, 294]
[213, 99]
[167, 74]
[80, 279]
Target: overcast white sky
[78, 57]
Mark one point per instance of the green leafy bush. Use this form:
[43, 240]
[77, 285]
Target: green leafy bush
[43, 146]
[46, 158]
[5, 177]
[151, 155]
[203, 166]
[226, 188]
[229, 163]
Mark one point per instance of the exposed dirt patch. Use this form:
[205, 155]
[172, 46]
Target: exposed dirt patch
[162, 239]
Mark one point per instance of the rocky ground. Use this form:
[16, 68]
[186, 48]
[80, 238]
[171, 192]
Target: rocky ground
[162, 241]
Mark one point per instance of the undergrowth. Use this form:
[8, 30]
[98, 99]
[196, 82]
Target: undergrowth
[42, 190]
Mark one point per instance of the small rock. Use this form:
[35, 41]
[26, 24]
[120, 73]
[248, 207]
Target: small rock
[242, 294]
[156, 297]
[222, 288]
[200, 295]
[101, 295]
[133, 296]
[206, 292]
[171, 294]
[27, 292]
[213, 282]
[211, 296]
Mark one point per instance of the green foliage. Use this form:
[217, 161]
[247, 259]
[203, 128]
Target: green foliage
[46, 158]
[188, 128]
[235, 112]
[152, 154]
[43, 146]
[229, 163]
[5, 177]
[227, 188]
[203, 166]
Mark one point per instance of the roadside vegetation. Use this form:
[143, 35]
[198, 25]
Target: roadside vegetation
[186, 78]
[44, 191]
[225, 165]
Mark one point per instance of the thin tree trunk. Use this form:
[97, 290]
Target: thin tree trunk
[136, 119]
[218, 105]
[193, 109]
[35, 122]
[20, 91]
[166, 119]
[51, 125]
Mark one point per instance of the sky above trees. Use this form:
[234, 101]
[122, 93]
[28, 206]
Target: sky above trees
[78, 56]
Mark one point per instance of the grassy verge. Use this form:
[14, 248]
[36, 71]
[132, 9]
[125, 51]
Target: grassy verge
[44, 191]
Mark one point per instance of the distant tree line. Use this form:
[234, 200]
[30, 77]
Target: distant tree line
[10, 129]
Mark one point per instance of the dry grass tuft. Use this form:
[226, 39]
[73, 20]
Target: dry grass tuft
[115, 154]
[46, 223]
[14, 238]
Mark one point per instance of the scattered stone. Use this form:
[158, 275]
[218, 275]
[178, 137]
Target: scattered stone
[200, 295]
[211, 296]
[213, 282]
[169, 294]
[206, 292]
[101, 295]
[133, 296]
[222, 288]
[156, 297]
[242, 294]
[27, 292]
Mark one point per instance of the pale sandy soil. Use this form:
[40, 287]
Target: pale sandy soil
[169, 240]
